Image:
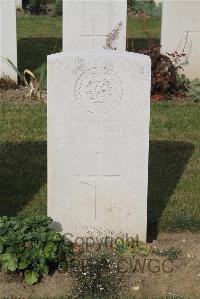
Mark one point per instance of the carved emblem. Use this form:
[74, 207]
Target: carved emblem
[98, 90]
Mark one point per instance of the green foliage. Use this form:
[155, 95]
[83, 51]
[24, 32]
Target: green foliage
[35, 84]
[194, 90]
[31, 247]
[171, 253]
[144, 6]
[41, 75]
[131, 247]
[58, 8]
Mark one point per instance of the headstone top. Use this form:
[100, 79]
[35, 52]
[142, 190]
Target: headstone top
[94, 24]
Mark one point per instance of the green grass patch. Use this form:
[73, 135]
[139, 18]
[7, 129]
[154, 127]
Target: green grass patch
[23, 158]
[38, 36]
[136, 35]
[173, 195]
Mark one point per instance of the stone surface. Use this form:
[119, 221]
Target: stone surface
[98, 139]
[181, 33]
[19, 4]
[8, 41]
[87, 24]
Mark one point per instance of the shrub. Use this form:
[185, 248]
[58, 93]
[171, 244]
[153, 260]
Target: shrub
[194, 90]
[164, 73]
[29, 246]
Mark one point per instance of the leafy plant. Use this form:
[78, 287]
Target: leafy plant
[194, 90]
[29, 246]
[148, 7]
[164, 67]
[131, 247]
[35, 84]
[171, 253]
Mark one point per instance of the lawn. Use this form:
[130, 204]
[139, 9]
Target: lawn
[173, 196]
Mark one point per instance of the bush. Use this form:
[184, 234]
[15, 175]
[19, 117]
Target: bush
[29, 246]
[164, 73]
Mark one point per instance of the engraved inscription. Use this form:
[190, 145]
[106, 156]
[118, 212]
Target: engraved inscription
[98, 90]
[95, 180]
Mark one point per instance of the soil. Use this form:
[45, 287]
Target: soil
[183, 279]
[16, 94]
[13, 95]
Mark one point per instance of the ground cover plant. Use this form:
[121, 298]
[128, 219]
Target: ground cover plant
[30, 247]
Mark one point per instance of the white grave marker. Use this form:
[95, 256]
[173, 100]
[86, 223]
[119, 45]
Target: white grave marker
[19, 4]
[181, 33]
[8, 41]
[98, 139]
[87, 24]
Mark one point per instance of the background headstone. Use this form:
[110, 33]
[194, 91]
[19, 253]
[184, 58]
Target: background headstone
[181, 33]
[8, 41]
[19, 4]
[87, 24]
[98, 140]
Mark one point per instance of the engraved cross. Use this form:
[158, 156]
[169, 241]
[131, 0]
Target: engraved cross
[93, 35]
[95, 180]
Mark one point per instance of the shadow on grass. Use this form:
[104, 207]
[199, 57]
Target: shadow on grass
[167, 162]
[137, 44]
[32, 52]
[23, 171]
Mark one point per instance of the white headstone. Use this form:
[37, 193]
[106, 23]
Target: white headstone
[98, 140]
[87, 24]
[181, 33]
[8, 41]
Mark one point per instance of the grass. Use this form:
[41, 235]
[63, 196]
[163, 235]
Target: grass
[37, 37]
[173, 196]
[136, 36]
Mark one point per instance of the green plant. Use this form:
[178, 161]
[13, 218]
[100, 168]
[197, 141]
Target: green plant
[29, 246]
[131, 247]
[35, 84]
[171, 253]
[144, 6]
[194, 90]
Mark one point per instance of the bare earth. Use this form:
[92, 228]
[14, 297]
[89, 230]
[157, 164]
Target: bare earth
[18, 94]
[183, 279]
